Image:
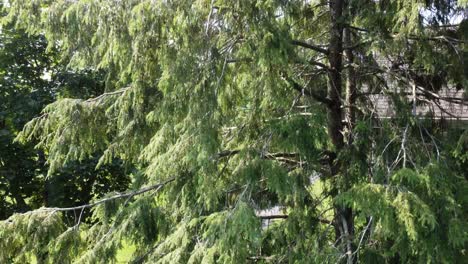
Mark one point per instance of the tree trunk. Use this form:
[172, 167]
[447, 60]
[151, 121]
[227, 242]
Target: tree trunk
[343, 222]
[335, 125]
[350, 117]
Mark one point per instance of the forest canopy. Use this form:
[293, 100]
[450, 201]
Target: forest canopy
[234, 131]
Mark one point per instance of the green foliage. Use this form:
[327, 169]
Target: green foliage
[33, 234]
[415, 211]
[31, 77]
[205, 99]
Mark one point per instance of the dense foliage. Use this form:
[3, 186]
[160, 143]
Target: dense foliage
[31, 77]
[226, 108]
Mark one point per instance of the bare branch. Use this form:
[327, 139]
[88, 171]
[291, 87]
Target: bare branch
[114, 197]
[120, 91]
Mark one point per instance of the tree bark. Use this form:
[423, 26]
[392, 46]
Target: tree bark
[334, 113]
[343, 222]
[350, 116]
[350, 92]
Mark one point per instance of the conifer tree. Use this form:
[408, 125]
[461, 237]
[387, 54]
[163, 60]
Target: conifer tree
[228, 107]
[30, 78]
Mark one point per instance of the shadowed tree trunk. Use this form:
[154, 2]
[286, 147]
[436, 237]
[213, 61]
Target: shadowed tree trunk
[343, 222]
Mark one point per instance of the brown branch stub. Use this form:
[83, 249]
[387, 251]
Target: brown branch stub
[285, 216]
[273, 216]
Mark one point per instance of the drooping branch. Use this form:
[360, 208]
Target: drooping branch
[90, 100]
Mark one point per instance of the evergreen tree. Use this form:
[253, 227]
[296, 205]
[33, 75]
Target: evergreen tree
[31, 77]
[230, 107]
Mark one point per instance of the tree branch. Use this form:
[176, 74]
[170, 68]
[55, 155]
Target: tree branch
[310, 46]
[261, 258]
[284, 157]
[316, 96]
[237, 60]
[120, 91]
[285, 216]
[273, 216]
[114, 197]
